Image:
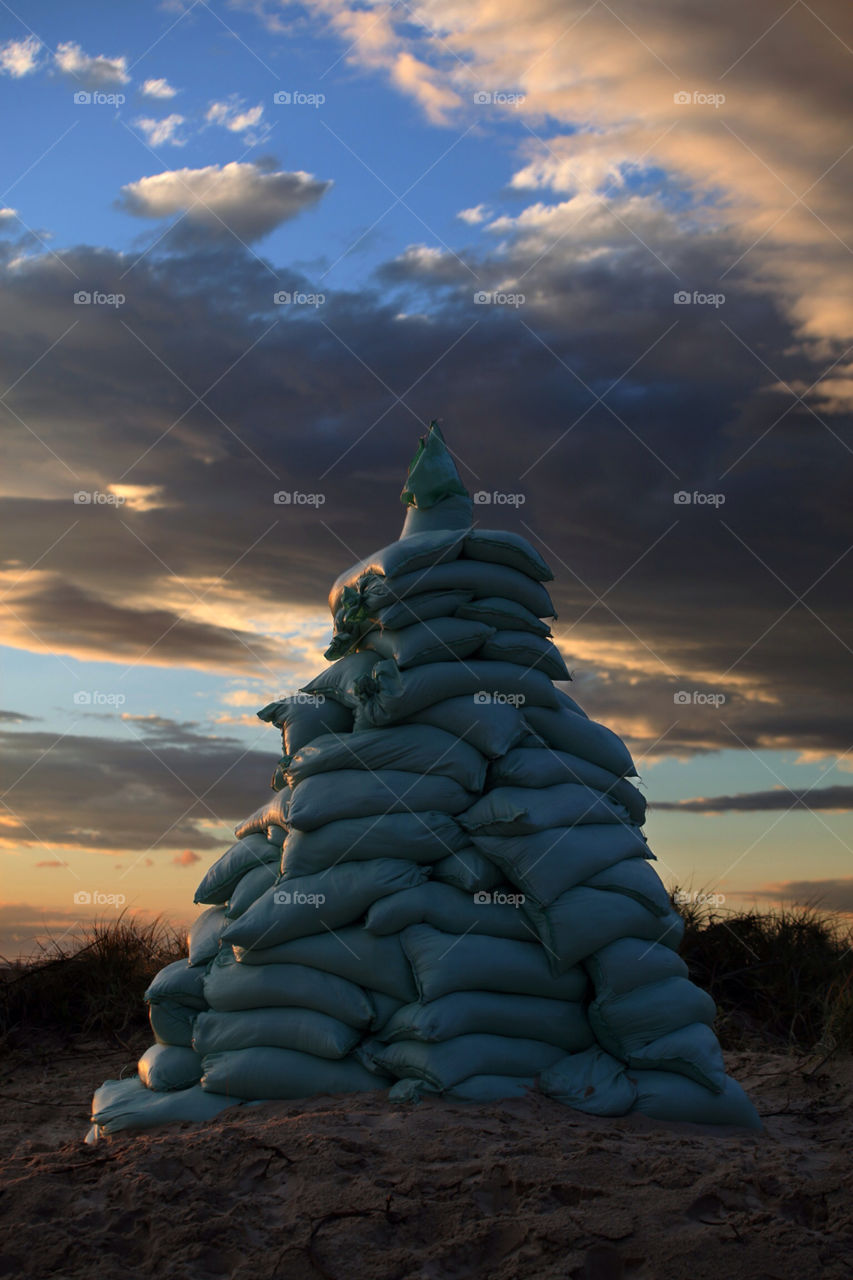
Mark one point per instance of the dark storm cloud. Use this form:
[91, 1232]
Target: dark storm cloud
[830, 895]
[835, 799]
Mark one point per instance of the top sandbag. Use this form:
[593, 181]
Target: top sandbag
[433, 495]
[499, 546]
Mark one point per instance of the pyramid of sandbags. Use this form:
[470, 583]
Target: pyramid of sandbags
[449, 889]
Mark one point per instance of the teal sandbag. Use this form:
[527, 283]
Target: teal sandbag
[482, 579]
[279, 1028]
[530, 766]
[423, 608]
[180, 982]
[339, 682]
[301, 719]
[692, 1051]
[272, 813]
[488, 1088]
[528, 651]
[629, 963]
[269, 1073]
[354, 793]
[559, 1022]
[172, 1023]
[666, 1096]
[440, 640]
[634, 878]
[231, 988]
[223, 877]
[297, 907]
[491, 727]
[567, 731]
[582, 920]
[453, 512]
[628, 1022]
[522, 811]
[385, 1007]
[352, 954]
[500, 546]
[468, 870]
[389, 694]
[204, 935]
[408, 555]
[497, 612]
[414, 748]
[127, 1104]
[592, 1081]
[250, 887]
[453, 910]
[420, 837]
[448, 1062]
[445, 962]
[164, 1067]
[544, 865]
[432, 481]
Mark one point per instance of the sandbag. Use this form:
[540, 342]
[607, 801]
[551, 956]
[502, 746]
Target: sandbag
[385, 1007]
[528, 651]
[491, 727]
[165, 1066]
[127, 1104]
[389, 694]
[488, 1088]
[354, 793]
[593, 1082]
[303, 905]
[444, 1064]
[481, 579]
[629, 963]
[582, 920]
[303, 1029]
[452, 910]
[416, 748]
[468, 870]
[222, 878]
[546, 864]
[668, 1096]
[179, 982]
[265, 1073]
[692, 1051]
[530, 766]
[498, 612]
[272, 813]
[559, 1022]
[204, 934]
[433, 484]
[338, 683]
[250, 887]
[629, 1021]
[302, 718]
[500, 546]
[352, 954]
[172, 1023]
[445, 962]
[422, 608]
[520, 811]
[230, 988]
[580, 736]
[634, 878]
[420, 837]
[439, 640]
[416, 551]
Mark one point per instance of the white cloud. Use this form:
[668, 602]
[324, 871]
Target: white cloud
[92, 72]
[19, 57]
[241, 198]
[7, 214]
[158, 89]
[159, 131]
[234, 115]
[479, 213]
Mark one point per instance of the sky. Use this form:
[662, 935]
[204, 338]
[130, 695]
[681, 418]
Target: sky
[251, 249]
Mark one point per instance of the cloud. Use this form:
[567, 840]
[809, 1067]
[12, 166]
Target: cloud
[836, 799]
[186, 859]
[55, 862]
[16, 717]
[234, 199]
[91, 72]
[234, 115]
[20, 57]
[160, 131]
[827, 895]
[158, 89]
[479, 213]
